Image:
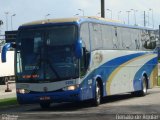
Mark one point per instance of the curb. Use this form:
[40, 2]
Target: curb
[8, 103]
[157, 87]
[9, 106]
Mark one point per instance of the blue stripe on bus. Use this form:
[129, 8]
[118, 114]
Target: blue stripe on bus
[148, 68]
[104, 73]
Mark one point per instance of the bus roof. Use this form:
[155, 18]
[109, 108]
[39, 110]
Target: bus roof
[85, 19]
[62, 20]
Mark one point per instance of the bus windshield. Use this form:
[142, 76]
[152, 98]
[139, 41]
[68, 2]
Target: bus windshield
[47, 54]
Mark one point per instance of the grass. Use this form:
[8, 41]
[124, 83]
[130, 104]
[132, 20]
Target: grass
[8, 102]
[158, 80]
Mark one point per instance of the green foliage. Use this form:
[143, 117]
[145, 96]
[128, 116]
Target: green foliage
[158, 80]
[8, 101]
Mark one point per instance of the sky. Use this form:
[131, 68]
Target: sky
[31, 10]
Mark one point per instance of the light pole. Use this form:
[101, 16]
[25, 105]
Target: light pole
[152, 17]
[98, 13]
[81, 11]
[128, 16]
[144, 18]
[110, 11]
[134, 13]
[47, 16]
[119, 15]
[76, 14]
[11, 21]
[148, 18]
[7, 20]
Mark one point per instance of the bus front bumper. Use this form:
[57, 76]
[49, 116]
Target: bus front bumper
[64, 96]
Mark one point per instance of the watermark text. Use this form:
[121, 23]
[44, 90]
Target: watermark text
[137, 117]
[9, 117]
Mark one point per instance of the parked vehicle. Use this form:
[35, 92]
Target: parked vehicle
[7, 68]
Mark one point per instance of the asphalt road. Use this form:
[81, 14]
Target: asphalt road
[4, 94]
[120, 107]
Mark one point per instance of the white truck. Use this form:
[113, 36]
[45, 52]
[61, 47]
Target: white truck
[7, 68]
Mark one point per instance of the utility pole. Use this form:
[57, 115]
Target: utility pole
[102, 8]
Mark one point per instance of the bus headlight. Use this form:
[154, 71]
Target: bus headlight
[72, 87]
[22, 91]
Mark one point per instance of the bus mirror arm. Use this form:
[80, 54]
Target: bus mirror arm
[78, 49]
[13, 45]
[84, 56]
[4, 51]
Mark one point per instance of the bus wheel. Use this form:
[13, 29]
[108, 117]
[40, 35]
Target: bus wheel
[97, 99]
[45, 105]
[143, 91]
[144, 87]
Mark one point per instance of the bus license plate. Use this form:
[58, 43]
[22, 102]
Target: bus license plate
[45, 98]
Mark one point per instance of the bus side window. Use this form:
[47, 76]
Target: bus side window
[145, 39]
[134, 39]
[84, 35]
[126, 38]
[137, 40]
[116, 40]
[96, 35]
[152, 41]
[107, 37]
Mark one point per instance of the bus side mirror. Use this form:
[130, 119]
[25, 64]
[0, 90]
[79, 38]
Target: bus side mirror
[78, 49]
[4, 52]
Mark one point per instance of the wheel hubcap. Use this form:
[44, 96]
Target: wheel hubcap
[144, 87]
[98, 94]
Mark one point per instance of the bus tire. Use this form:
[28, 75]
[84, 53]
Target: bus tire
[97, 99]
[143, 91]
[45, 105]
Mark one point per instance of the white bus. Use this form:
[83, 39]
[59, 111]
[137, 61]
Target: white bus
[77, 59]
